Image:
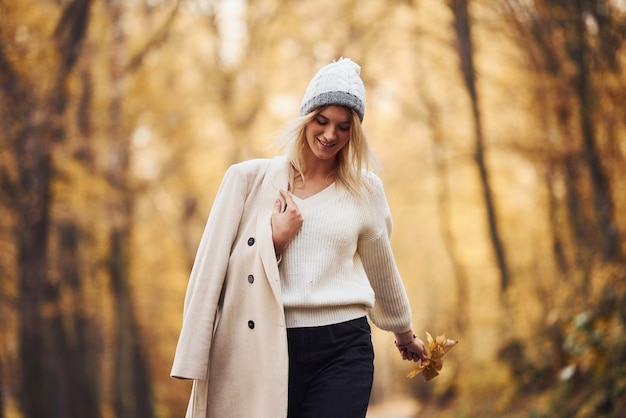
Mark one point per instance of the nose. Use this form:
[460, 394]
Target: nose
[330, 132]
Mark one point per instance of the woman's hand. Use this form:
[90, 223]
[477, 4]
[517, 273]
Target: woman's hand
[286, 222]
[410, 347]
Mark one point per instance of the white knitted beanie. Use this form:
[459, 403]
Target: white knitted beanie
[338, 83]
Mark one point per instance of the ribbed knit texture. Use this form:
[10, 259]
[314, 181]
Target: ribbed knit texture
[338, 83]
[340, 266]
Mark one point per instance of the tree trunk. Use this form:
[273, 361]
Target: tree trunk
[45, 382]
[462, 29]
[563, 52]
[132, 393]
[36, 398]
[74, 342]
[72, 359]
[29, 198]
[609, 246]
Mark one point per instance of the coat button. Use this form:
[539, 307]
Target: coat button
[251, 324]
[251, 241]
[250, 278]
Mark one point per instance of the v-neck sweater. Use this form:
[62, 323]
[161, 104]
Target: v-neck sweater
[340, 265]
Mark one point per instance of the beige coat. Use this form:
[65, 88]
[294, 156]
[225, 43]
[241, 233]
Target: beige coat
[233, 341]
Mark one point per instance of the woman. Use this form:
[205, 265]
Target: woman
[294, 259]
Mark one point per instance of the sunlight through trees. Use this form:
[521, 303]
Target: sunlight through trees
[500, 128]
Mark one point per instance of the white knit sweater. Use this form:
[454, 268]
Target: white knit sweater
[340, 266]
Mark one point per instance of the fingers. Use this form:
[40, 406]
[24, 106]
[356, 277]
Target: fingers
[416, 352]
[278, 206]
[423, 354]
[409, 355]
[420, 356]
[291, 207]
[286, 221]
[288, 199]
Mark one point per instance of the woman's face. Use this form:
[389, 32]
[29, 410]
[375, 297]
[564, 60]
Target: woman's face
[328, 132]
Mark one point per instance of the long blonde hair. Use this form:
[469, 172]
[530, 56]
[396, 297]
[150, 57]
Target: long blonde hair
[353, 158]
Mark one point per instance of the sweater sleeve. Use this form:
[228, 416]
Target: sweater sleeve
[391, 311]
[207, 277]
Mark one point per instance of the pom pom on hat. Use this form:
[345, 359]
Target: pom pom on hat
[337, 83]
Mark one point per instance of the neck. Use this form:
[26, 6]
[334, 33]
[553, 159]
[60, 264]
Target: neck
[319, 169]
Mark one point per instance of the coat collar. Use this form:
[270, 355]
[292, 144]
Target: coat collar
[274, 180]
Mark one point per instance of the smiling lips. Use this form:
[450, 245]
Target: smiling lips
[326, 144]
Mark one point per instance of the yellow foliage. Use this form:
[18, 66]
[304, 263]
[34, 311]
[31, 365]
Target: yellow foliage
[437, 349]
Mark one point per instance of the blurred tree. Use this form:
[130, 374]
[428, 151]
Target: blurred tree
[132, 388]
[74, 350]
[572, 47]
[462, 311]
[112, 148]
[49, 156]
[32, 221]
[580, 50]
[574, 50]
[35, 121]
[465, 48]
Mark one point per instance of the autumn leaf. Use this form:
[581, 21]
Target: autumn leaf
[437, 349]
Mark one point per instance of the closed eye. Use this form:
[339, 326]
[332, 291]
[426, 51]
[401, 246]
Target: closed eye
[344, 127]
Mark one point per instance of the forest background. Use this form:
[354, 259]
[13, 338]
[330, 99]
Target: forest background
[501, 132]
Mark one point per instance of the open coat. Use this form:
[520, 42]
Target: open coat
[233, 341]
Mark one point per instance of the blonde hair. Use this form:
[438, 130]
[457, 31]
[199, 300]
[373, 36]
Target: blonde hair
[355, 157]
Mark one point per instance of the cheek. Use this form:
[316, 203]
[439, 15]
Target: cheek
[310, 132]
[344, 137]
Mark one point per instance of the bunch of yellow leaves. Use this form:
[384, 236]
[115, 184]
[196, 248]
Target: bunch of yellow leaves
[437, 349]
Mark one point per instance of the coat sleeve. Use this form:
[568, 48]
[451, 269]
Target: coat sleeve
[191, 360]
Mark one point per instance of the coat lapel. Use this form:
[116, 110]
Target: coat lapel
[275, 179]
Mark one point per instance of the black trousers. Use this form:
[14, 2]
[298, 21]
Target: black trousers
[331, 370]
